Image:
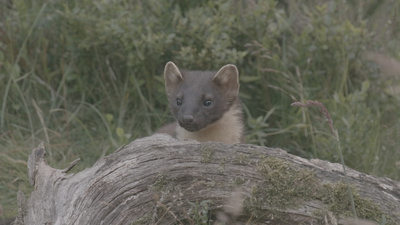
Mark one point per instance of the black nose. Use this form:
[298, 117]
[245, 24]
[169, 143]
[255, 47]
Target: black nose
[187, 119]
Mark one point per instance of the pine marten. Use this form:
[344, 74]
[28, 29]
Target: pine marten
[205, 104]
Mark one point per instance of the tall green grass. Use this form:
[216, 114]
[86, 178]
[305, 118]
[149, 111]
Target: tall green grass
[85, 77]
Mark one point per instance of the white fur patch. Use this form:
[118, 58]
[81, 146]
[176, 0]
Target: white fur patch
[228, 129]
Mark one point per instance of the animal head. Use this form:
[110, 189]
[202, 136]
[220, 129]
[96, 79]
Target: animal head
[199, 98]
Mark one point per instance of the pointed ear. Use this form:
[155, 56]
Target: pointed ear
[172, 77]
[227, 78]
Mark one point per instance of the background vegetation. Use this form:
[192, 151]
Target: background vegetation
[85, 77]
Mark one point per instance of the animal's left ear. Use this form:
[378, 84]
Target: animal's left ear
[227, 78]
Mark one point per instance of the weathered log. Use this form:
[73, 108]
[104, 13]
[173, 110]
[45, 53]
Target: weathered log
[160, 180]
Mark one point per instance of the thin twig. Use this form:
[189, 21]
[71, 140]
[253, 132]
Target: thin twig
[71, 165]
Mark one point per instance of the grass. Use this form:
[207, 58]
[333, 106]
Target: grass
[335, 135]
[85, 77]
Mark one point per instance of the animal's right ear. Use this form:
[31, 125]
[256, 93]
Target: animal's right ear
[172, 77]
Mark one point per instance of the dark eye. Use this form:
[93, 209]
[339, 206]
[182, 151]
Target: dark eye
[207, 103]
[178, 102]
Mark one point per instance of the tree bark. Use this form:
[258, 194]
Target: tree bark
[160, 180]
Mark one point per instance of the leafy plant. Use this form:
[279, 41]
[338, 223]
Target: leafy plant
[200, 212]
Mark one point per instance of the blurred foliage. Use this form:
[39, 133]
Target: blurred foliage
[85, 76]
